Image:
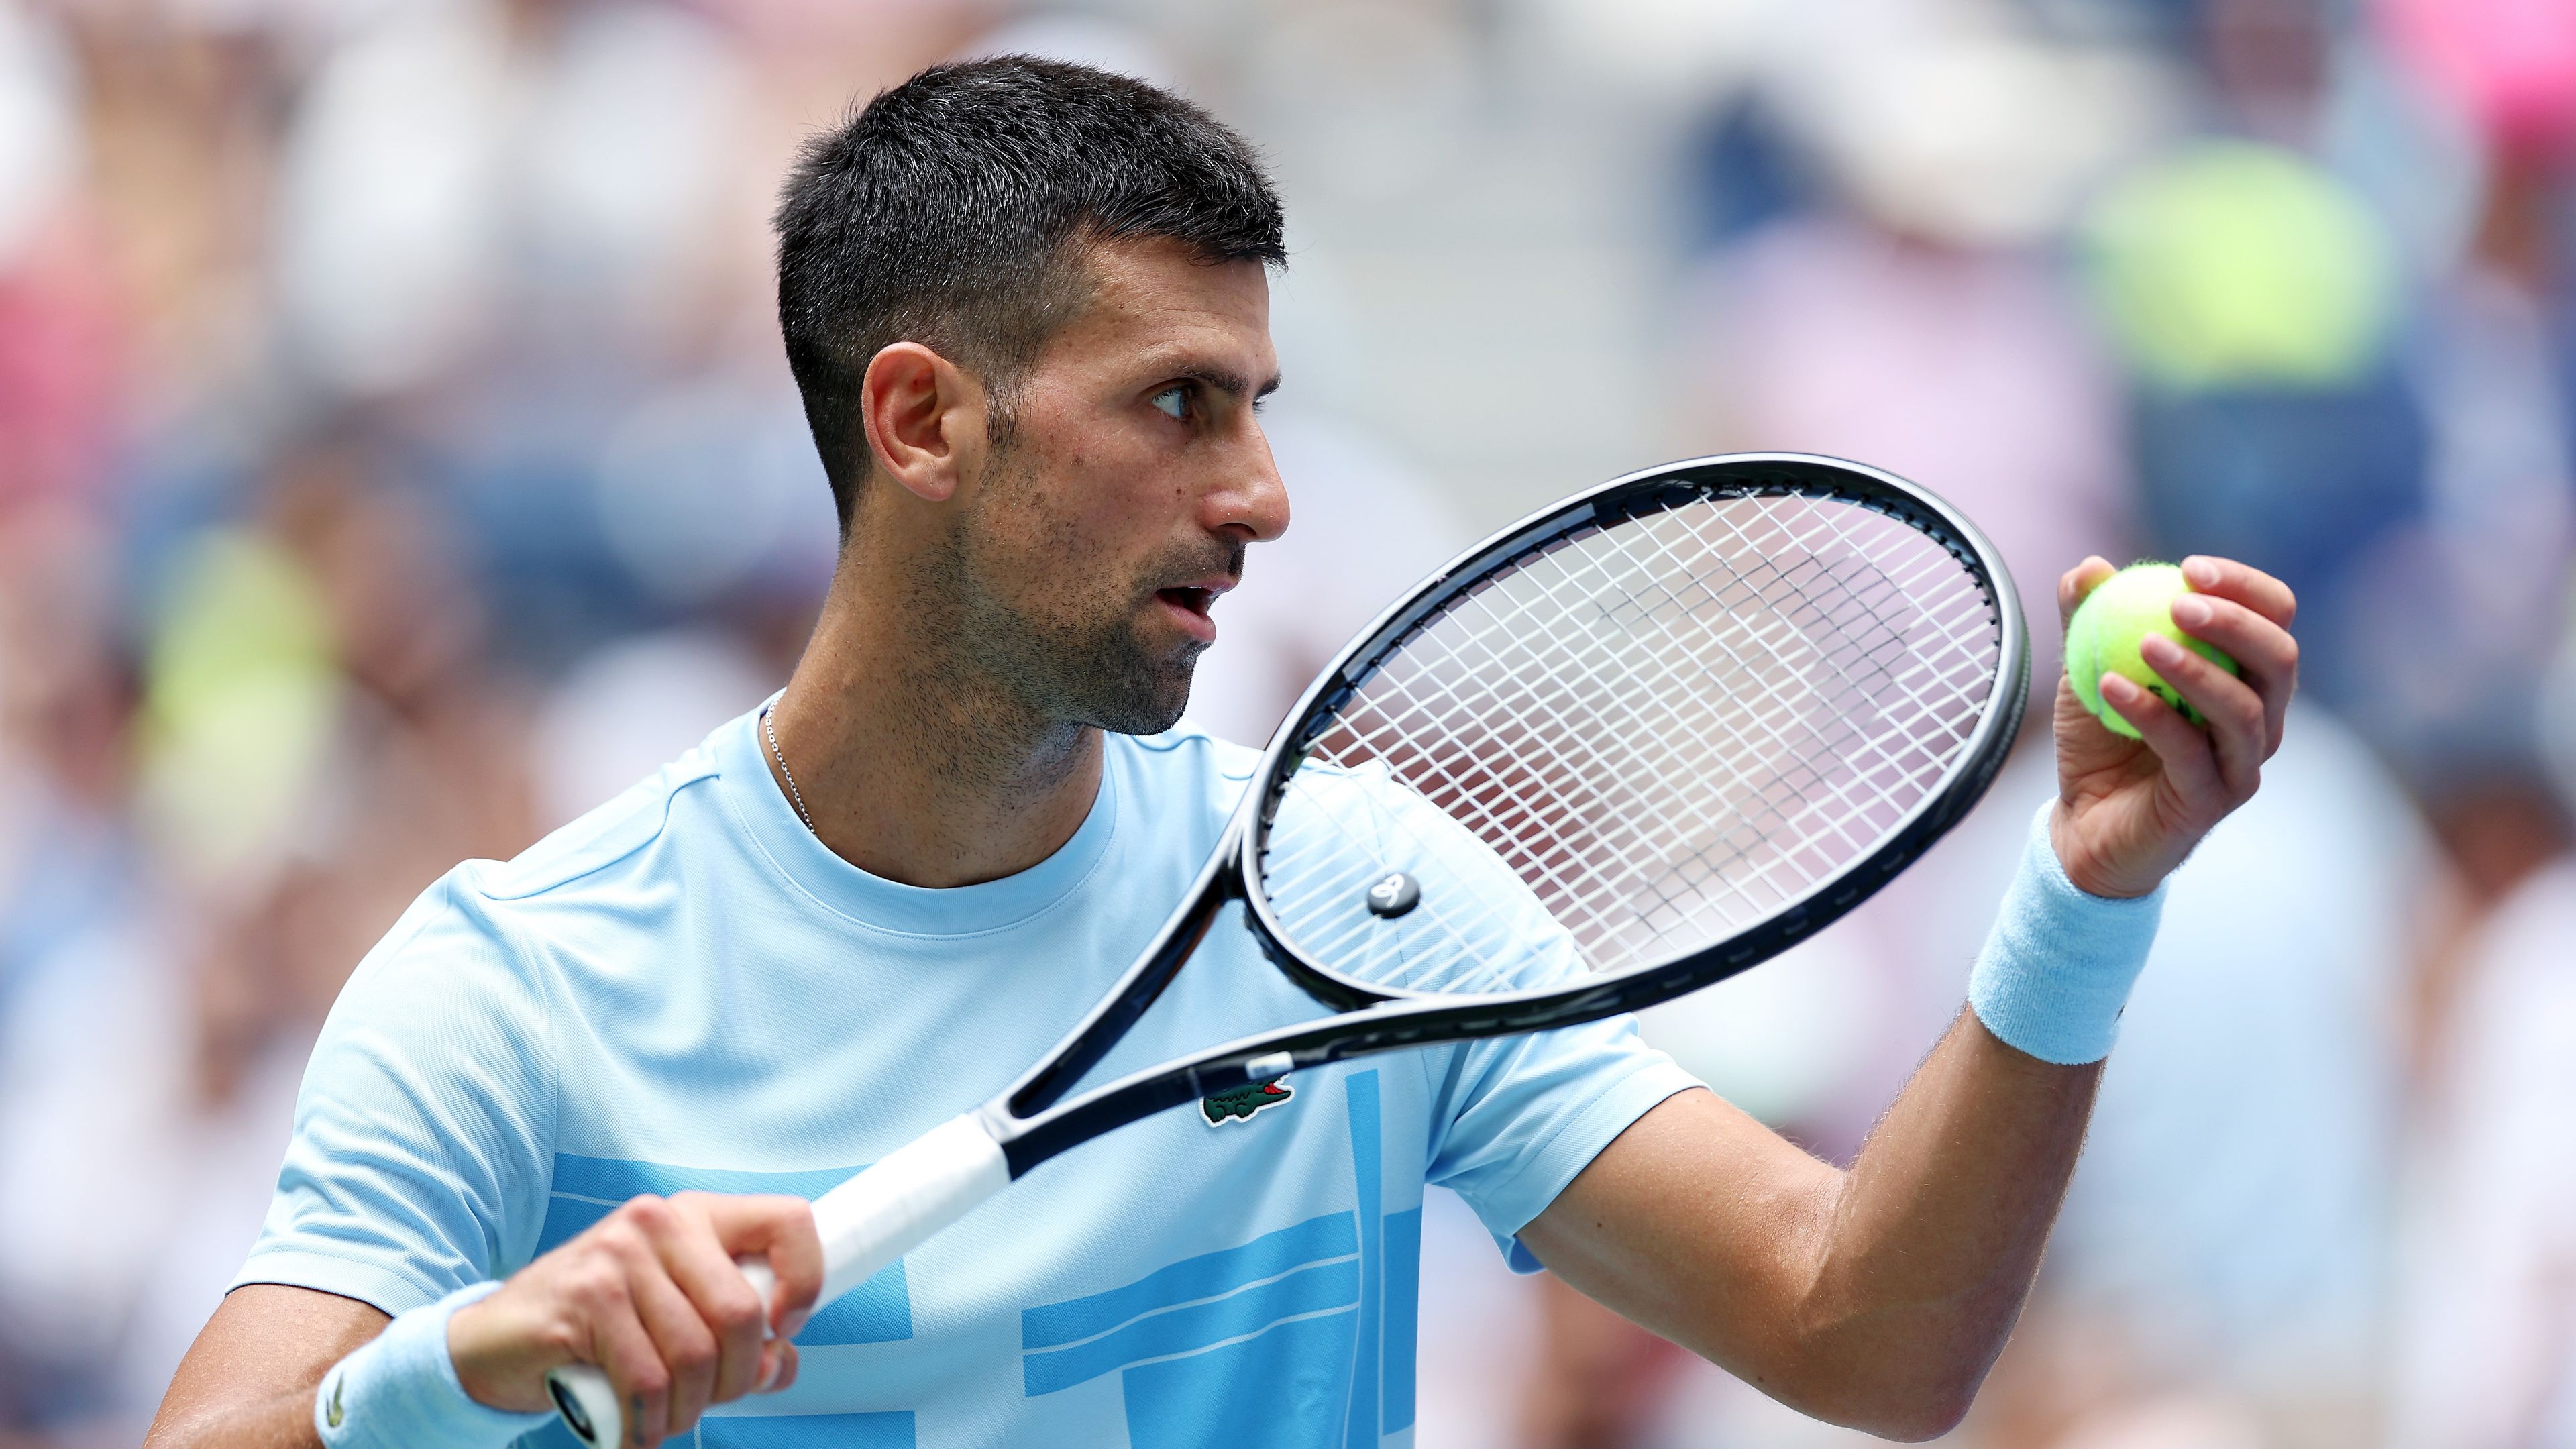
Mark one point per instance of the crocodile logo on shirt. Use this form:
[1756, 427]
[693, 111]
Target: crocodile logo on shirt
[1242, 1102]
[334, 1413]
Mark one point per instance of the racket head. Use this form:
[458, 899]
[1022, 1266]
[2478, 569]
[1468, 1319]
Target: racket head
[1635, 743]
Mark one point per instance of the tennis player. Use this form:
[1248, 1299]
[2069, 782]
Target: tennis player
[1026, 303]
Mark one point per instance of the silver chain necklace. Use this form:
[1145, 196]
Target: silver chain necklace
[789, 775]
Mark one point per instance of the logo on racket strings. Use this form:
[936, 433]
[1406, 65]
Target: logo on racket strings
[1394, 894]
[1241, 1103]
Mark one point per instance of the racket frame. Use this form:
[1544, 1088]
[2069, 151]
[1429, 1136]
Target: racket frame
[1034, 1120]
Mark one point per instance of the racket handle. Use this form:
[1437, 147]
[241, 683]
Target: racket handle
[587, 1404]
[911, 1193]
[865, 1223]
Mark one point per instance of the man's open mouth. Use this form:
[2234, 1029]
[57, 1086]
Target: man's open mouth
[1196, 601]
[1189, 605]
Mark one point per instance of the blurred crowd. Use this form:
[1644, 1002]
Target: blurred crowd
[396, 460]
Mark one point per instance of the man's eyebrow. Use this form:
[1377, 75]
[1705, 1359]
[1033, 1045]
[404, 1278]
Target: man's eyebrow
[1227, 380]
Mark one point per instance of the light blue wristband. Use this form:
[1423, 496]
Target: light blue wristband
[2058, 968]
[401, 1391]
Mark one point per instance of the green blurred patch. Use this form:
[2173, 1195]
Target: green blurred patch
[2233, 264]
[242, 691]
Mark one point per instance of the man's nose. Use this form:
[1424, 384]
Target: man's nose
[1254, 503]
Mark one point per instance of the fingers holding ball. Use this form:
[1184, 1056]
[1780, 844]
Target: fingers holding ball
[2109, 630]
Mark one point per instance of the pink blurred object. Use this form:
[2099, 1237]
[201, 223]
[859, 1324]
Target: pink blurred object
[2509, 64]
[59, 372]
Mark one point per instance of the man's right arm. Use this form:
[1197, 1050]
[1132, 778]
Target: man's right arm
[248, 1380]
[650, 1294]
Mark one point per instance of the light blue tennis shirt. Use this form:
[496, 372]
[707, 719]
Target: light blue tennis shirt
[685, 989]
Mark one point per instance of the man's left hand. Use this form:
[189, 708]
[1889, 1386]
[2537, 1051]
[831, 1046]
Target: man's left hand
[2128, 811]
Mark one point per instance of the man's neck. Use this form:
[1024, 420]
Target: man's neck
[911, 766]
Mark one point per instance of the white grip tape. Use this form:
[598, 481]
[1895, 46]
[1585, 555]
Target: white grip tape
[911, 1193]
[865, 1224]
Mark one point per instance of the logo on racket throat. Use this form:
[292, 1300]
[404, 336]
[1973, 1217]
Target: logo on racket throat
[1242, 1103]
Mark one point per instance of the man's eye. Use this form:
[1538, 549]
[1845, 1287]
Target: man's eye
[1175, 403]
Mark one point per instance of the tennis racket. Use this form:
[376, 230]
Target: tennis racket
[1634, 744]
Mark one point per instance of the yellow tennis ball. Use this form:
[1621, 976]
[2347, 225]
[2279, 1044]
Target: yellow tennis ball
[2083, 660]
[2111, 623]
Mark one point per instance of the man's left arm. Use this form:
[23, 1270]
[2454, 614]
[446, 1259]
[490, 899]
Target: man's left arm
[1879, 1296]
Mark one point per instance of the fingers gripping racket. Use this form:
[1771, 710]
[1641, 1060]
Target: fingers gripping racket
[1631, 746]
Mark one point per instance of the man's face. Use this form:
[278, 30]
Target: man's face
[1094, 539]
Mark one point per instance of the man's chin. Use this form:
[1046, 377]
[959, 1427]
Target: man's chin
[1154, 705]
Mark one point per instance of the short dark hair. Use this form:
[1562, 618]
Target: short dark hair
[953, 212]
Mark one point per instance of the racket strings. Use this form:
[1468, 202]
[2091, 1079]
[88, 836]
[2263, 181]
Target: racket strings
[1511, 826]
[1662, 730]
[1666, 650]
[1800, 756]
[1659, 657]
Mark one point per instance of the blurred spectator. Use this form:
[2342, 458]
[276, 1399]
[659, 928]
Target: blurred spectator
[2233, 264]
[2485, 572]
[550, 168]
[2254, 298]
[318, 744]
[1600, 1384]
[58, 341]
[2508, 65]
[1969, 372]
[2234, 1207]
[1918, 322]
[2257, 301]
[392, 749]
[2486, 1354]
[628, 709]
[93, 1026]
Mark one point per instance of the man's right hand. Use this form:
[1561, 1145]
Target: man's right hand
[651, 1295]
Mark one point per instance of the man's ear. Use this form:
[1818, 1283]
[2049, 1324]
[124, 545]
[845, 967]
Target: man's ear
[920, 409]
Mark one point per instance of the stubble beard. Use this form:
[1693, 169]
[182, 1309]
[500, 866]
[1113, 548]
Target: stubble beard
[1064, 648]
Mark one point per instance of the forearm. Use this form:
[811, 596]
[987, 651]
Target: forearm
[280, 1421]
[1933, 1237]
[1930, 1242]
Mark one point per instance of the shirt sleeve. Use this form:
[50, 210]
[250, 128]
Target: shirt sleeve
[1515, 1119]
[419, 1161]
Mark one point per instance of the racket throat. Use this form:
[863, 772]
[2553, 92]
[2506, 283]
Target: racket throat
[1046, 1084]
